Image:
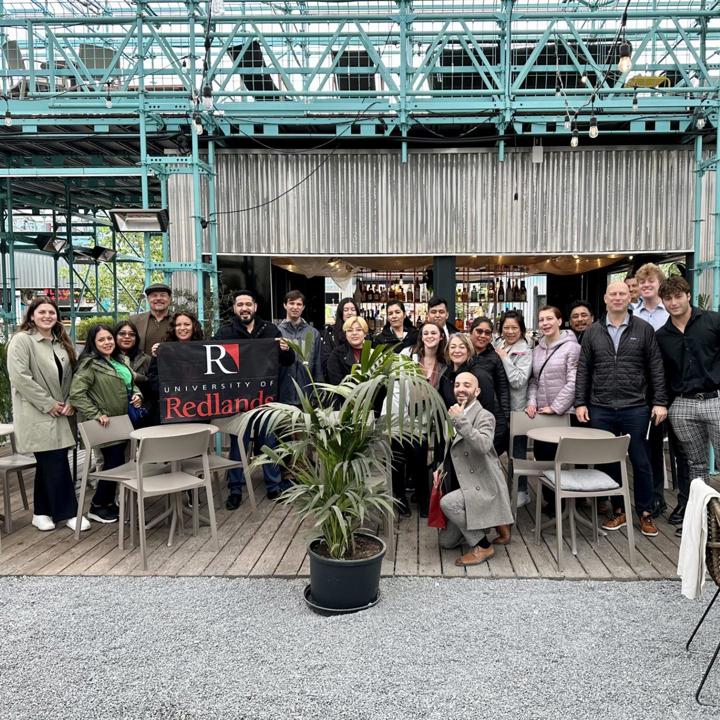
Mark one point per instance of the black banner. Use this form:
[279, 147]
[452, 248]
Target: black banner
[204, 380]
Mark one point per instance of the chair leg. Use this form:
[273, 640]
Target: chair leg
[121, 519]
[538, 510]
[571, 518]
[558, 528]
[514, 479]
[141, 530]
[196, 512]
[132, 520]
[81, 498]
[211, 513]
[702, 619]
[6, 499]
[707, 672]
[23, 492]
[630, 526]
[595, 520]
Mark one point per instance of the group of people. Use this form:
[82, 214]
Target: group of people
[641, 362]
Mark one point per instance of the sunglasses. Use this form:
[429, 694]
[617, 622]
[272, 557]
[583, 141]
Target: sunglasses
[126, 334]
[479, 331]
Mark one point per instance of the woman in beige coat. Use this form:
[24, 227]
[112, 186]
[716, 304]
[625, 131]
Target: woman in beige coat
[481, 500]
[40, 360]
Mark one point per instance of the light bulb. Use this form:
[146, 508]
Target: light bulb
[593, 132]
[197, 123]
[575, 140]
[8, 118]
[108, 101]
[700, 122]
[567, 123]
[635, 104]
[584, 79]
[625, 61]
[558, 89]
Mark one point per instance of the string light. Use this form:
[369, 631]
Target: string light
[558, 88]
[567, 122]
[197, 123]
[700, 121]
[593, 132]
[625, 61]
[108, 98]
[8, 118]
[634, 103]
[575, 139]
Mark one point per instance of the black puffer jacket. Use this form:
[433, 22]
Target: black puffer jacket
[235, 330]
[631, 377]
[387, 336]
[489, 361]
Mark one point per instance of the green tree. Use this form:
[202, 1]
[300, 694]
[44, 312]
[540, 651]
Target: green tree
[130, 275]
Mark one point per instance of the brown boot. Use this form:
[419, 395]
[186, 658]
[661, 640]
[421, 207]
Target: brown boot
[503, 537]
[476, 556]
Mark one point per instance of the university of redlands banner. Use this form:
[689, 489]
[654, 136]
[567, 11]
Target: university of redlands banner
[204, 380]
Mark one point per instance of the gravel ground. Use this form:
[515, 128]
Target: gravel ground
[446, 649]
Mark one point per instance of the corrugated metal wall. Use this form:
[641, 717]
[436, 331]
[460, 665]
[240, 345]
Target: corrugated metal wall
[585, 201]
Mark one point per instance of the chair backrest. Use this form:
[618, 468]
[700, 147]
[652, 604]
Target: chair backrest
[93, 434]
[13, 56]
[520, 423]
[597, 451]
[168, 449]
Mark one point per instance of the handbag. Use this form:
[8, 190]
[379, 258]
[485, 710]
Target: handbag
[137, 415]
[436, 517]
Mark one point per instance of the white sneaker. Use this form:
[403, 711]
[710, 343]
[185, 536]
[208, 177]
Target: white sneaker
[43, 522]
[84, 524]
[523, 498]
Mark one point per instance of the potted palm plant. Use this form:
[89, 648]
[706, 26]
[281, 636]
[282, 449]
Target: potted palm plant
[337, 446]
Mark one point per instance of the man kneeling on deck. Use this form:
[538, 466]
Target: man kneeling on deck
[479, 496]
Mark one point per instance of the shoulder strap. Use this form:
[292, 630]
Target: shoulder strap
[547, 359]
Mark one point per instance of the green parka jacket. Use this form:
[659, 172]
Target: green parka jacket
[97, 390]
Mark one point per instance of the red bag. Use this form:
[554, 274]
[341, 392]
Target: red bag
[436, 518]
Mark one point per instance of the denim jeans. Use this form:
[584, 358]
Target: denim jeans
[271, 472]
[632, 421]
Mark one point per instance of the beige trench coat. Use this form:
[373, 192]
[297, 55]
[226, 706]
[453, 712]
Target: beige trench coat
[478, 470]
[35, 388]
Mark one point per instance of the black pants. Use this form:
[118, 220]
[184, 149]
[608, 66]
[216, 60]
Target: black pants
[657, 452]
[54, 486]
[113, 456]
[418, 471]
[546, 451]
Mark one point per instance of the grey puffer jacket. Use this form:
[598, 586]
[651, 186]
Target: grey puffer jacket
[556, 385]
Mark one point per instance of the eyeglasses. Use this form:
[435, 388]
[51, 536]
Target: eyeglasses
[126, 334]
[480, 331]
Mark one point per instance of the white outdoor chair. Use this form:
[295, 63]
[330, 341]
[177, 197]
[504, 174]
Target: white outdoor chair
[584, 482]
[174, 483]
[94, 436]
[13, 463]
[219, 463]
[520, 423]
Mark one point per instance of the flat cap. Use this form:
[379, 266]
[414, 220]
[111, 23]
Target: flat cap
[158, 287]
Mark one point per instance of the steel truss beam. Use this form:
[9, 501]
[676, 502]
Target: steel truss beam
[324, 70]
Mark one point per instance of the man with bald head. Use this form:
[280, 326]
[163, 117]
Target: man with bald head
[478, 495]
[620, 387]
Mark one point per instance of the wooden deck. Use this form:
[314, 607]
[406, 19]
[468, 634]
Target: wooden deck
[271, 543]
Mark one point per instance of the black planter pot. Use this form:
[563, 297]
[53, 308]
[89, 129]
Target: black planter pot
[341, 586]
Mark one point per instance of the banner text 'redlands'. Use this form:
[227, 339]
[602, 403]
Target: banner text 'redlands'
[203, 380]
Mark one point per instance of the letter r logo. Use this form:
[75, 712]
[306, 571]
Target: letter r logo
[214, 355]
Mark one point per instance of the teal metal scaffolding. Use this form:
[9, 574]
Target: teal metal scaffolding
[104, 101]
